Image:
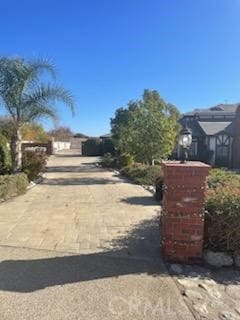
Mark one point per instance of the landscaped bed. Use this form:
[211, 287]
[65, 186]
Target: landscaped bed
[12, 185]
[222, 216]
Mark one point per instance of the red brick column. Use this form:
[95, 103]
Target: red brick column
[183, 211]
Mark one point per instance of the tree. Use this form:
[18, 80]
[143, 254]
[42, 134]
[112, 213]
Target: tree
[147, 129]
[121, 126]
[61, 134]
[34, 132]
[26, 98]
[31, 131]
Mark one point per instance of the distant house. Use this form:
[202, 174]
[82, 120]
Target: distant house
[216, 134]
[106, 136]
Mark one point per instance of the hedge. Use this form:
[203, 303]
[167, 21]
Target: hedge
[143, 174]
[222, 219]
[125, 160]
[222, 177]
[33, 163]
[13, 185]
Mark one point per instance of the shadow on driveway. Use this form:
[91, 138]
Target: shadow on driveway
[143, 201]
[78, 181]
[86, 169]
[32, 275]
[138, 252]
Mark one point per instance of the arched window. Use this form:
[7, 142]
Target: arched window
[222, 150]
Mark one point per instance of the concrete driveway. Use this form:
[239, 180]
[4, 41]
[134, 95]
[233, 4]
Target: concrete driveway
[84, 244]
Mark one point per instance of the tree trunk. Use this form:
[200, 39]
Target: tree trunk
[16, 151]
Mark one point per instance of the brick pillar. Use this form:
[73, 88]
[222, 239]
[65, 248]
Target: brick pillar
[183, 211]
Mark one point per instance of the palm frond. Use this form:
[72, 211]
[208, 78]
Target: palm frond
[33, 71]
[38, 66]
[22, 95]
[39, 111]
[47, 93]
[10, 84]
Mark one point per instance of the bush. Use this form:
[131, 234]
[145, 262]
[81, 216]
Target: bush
[135, 172]
[222, 223]
[125, 160]
[142, 174]
[33, 163]
[152, 174]
[12, 185]
[107, 160]
[5, 155]
[222, 177]
[92, 147]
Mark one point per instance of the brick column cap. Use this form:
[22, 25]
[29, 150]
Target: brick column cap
[188, 164]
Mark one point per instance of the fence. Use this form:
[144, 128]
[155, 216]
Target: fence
[41, 146]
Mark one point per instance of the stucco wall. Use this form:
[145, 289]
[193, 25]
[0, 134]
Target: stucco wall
[60, 145]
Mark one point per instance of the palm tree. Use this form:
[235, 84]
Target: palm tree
[26, 98]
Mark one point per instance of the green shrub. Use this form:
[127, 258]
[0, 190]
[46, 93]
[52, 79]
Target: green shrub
[222, 223]
[157, 162]
[142, 174]
[5, 155]
[152, 174]
[135, 172]
[12, 185]
[125, 160]
[107, 160]
[22, 183]
[33, 163]
[92, 147]
[222, 177]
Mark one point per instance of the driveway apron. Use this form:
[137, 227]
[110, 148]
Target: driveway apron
[84, 244]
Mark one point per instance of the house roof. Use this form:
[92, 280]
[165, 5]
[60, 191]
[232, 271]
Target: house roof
[193, 126]
[225, 107]
[108, 135]
[212, 121]
[212, 128]
[219, 110]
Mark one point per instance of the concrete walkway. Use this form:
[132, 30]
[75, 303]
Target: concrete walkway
[84, 245]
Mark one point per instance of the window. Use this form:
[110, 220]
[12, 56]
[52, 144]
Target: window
[222, 150]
